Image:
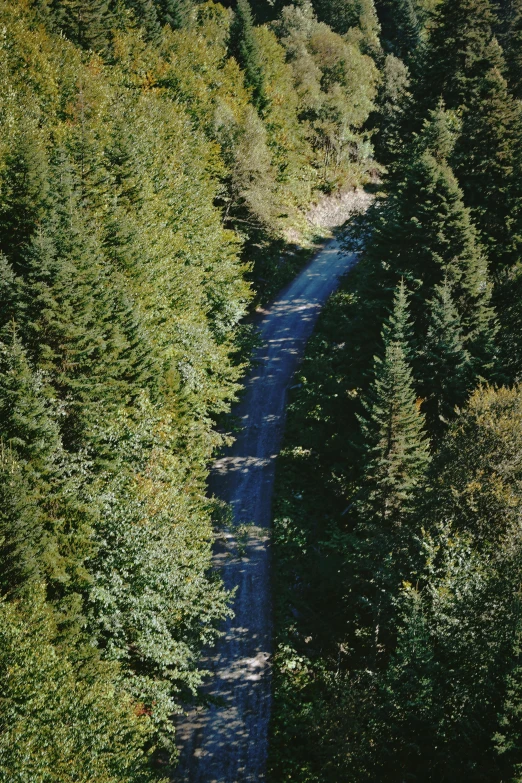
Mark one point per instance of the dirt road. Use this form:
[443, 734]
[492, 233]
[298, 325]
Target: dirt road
[228, 743]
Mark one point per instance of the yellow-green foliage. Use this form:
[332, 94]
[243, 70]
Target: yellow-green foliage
[136, 165]
[59, 724]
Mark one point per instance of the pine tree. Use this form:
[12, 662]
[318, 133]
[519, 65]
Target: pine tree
[466, 67]
[9, 292]
[445, 362]
[46, 521]
[86, 22]
[176, 13]
[341, 15]
[507, 739]
[69, 324]
[392, 104]
[24, 190]
[487, 163]
[242, 46]
[25, 424]
[395, 459]
[458, 51]
[511, 40]
[402, 27]
[395, 443]
[425, 233]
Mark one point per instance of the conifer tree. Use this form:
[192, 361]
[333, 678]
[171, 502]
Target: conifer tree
[396, 446]
[445, 362]
[176, 13]
[86, 22]
[465, 66]
[511, 40]
[396, 458]
[25, 424]
[402, 26]
[487, 162]
[242, 46]
[458, 51]
[46, 521]
[69, 324]
[146, 14]
[24, 190]
[508, 737]
[341, 15]
[392, 104]
[9, 292]
[425, 233]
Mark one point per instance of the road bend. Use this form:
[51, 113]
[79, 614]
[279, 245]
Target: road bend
[227, 743]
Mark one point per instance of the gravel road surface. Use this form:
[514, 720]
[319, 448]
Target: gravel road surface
[228, 743]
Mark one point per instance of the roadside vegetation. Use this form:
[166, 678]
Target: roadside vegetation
[397, 531]
[157, 161]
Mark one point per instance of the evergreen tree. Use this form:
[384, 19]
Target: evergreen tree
[395, 461]
[176, 13]
[487, 163]
[25, 422]
[425, 233]
[392, 104]
[393, 427]
[146, 14]
[511, 40]
[9, 292]
[24, 190]
[507, 739]
[465, 66]
[242, 46]
[445, 362]
[458, 51]
[46, 520]
[69, 323]
[22, 527]
[402, 26]
[86, 22]
[345, 15]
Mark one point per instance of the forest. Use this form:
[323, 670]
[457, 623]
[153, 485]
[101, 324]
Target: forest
[398, 511]
[158, 159]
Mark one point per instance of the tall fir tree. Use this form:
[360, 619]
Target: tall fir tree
[396, 446]
[465, 65]
[69, 321]
[86, 22]
[24, 190]
[425, 233]
[396, 458]
[242, 46]
[445, 362]
[511, 40]
[61, 723]
[457, 51]
[487, 162]
[46, 520]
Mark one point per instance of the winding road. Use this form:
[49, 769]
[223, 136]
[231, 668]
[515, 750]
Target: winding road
[227, 743]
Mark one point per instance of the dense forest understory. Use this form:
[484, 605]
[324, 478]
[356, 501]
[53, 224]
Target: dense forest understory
[398, 525]
[158, 159]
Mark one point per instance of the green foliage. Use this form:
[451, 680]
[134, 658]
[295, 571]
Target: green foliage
[336, 85]
[465, 65]
[242, 46]
[396, 448]
[61, 724]
[446, 362]
[392, 104]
